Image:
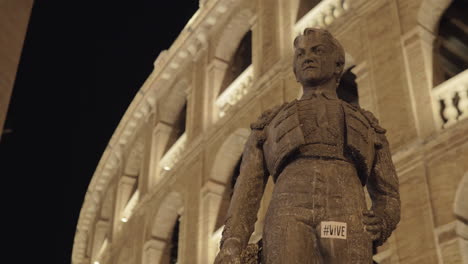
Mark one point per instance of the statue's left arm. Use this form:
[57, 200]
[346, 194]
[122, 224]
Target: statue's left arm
[383, 190]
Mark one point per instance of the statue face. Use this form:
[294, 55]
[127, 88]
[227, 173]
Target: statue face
[315, 59]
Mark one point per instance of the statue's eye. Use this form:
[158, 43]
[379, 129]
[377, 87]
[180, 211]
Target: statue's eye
[319, 50]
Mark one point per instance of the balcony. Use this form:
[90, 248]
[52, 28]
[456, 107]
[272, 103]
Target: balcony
[235, 91]
[322, 15]
[450, 100]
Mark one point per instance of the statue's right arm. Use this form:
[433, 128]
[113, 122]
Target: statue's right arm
[245, 202]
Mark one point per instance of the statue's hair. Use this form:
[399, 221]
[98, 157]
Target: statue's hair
[333, 41]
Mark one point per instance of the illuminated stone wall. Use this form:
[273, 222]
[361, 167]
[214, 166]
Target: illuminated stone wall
[146, 181]
[14, 17]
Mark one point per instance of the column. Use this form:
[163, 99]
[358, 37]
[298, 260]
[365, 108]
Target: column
[156, 251]
[124, 193]
[216, 70]
[417, 49]
[160, 136]
[100, 232]
[212, 194]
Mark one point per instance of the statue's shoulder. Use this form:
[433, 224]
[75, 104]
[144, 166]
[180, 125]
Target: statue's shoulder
[373, 121]
[266, 117]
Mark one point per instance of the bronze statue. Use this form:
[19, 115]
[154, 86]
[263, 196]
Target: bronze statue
[320, 151]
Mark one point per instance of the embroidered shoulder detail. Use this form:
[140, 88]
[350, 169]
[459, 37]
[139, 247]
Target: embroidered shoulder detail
[266, 117]
[374, 122]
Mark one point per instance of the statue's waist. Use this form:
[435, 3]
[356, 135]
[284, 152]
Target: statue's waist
[324, 151]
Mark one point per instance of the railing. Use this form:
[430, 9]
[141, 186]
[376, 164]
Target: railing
[235, 91]
[173, 155]
[450, 100]
[322, 15]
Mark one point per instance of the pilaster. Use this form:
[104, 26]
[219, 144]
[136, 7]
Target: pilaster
[160, 137]
[211, 197]
[417, 49]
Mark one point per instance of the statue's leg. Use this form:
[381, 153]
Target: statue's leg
[289, 241]
[355, 249]
[345, 204]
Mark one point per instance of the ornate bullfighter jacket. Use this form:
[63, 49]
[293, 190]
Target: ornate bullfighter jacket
[324, 127]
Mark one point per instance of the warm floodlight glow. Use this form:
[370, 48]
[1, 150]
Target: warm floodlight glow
[167, 168]
[124, 219]
[96, 262]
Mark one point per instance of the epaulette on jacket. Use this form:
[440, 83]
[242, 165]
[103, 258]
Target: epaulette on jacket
[374, 122]
[266, 117]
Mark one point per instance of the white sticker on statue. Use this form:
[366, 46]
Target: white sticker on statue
[332, 229]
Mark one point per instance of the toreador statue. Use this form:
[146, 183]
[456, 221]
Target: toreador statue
[320, 151]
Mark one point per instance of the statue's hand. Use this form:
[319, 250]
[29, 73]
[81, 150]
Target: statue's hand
[229, 253]
[372, 224]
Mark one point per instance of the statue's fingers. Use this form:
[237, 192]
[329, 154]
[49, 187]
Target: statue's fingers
[373, 228]
[369, 213]
[371, 220]
[375, 236]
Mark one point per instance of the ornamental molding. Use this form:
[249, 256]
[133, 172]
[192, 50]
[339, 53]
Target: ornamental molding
[322, 15]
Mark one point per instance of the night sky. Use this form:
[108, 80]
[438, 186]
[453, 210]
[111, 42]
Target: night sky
[79, 71]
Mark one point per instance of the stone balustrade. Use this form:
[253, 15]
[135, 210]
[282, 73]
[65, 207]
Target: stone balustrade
[173, 155]
[450, 100]
[322, 15]
[235, 91]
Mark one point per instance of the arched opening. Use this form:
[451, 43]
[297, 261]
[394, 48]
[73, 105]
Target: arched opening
[240, 60]
[304, 7]
[178, 127]
[227, 195]
[451, 44]
[347, 89]
[461, 213]
[174, 245]
[163, 238]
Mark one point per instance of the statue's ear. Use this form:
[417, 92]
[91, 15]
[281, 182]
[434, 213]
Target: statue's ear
[339, 67]
[295, 75]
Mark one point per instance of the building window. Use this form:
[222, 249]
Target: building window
[240, 60]
[304, 7]
[451, 45]
[179, 127]
[174, 246]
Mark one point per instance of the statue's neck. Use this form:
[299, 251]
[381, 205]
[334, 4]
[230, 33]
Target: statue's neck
[309, 90]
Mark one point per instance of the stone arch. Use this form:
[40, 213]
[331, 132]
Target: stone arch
[166, 215]
[228, 155]
[227, 160]
[430, 12]
[461, 213]
[134, 160]
[451, 42]
[156, 248]
[172, 102]
[226, 46]
[214, 198]
[233, 33]
[172, 111]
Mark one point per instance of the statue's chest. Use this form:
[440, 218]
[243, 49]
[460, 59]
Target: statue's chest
[322, 120]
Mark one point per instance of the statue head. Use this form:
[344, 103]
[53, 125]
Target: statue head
[318, 57]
